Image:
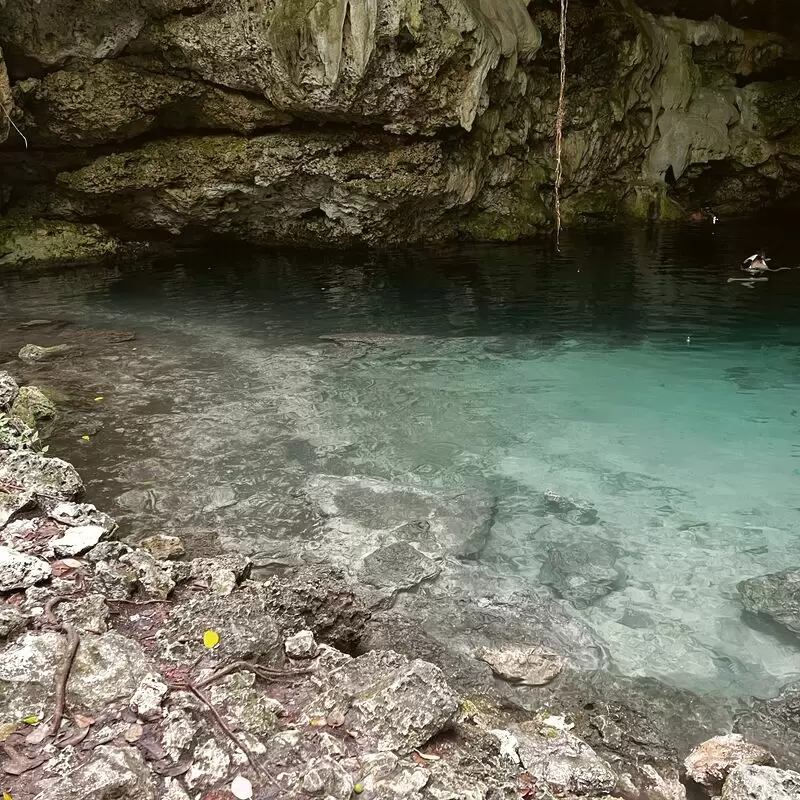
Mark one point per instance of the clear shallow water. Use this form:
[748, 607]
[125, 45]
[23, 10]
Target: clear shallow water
[625, 373]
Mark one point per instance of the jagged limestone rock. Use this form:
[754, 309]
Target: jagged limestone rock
[761, 783]
[33, 408]
[710, 763]
[53, 241]
[49, 478]
[21, 570]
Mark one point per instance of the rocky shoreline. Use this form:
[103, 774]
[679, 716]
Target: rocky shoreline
[136, 672]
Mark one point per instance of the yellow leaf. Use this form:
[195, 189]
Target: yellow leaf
[99, 398]
[85, 438]
[358, 788]
[31, 720]
[7, 796]
[210, 639]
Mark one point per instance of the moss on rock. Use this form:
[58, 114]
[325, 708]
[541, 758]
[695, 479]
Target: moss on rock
[29, 242]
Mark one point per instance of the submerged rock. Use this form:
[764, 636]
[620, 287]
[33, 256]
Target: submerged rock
[388, 701]
[33, 353]
[163, 547]
[775, 723]
[397, 566]
[20, 570]
[581, 572]
[761, 783]
[775, 596]
[111, 772]
[711, 762]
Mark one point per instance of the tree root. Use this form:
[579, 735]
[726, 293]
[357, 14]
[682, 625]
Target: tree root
[63, 671]
[265, 673]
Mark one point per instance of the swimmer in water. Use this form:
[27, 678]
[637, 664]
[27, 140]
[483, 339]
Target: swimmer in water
[756, 263]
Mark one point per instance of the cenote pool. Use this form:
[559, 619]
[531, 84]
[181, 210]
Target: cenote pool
[657, 404]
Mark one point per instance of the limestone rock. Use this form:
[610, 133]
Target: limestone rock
[12, 503]
[11, 620]
[531, 666]
[80, 514]
[388, 701]
[775, 723]
[33, 353]
[111, 772]
[325, 777]
[301, 645]
[581, 572]
[563, 761]
[53, 242]
[8, 390]
[33, 408]
[163, 547]
[397, 566]
[221, 574]
[20, 570]
[245, 628]
[6, 100]
[155, 578]
[711, 762]
[89, 614]
[210, 764]
[775, 596]
[77, 540]
[761, 783]
[43, 476]
[664, 785]
[146, 700]
[239, 697]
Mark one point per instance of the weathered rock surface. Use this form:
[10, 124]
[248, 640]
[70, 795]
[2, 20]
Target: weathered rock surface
[775, 724]
[78, 540]
[8, 390]
[33, 353]
[712, 761]
[761, 783]
[33, 408]
[388, 701]
[531, 666]
[775, 596]
[20, 570]
[49, 478]
[162, 546]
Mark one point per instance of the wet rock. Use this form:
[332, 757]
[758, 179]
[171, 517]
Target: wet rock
[154, 578]
[34, 353]
[570, 510]
[19, 570]
[327, 778]
[80, 514]
[241, 699]
[319, 600]
[531, 666]
[11, 620]
[388, 701]
[711, 762]
[163, 547]
[89, 614]
[563, 761]
[147, 699]
[775, 723]
[775, 596]
[242, 621]
[33, 408]
[77, 540]
[8, 390]
[219, 497]
[44, 477]
[581, 572]
[761, 783]
[362, 513]
[301, 645]
[111, 772]
[397, 566]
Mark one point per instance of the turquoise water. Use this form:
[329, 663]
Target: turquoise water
[625, 373]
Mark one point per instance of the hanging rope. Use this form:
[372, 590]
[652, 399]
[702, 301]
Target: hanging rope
[562, 46]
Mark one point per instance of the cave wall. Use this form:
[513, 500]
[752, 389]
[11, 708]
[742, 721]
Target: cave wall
[342, 121]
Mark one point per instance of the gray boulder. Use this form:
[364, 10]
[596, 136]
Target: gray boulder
[775, 596]
[112, 773]
[761, 783]
[33, 408]
[20, 570]
[11, 620]
[581, 572]
[711, 762]
[33, 353]
[8, 387]
[562, 761]
[775, 723]
[45, 477]
[531, 666]
[397, 566]
[388, 701]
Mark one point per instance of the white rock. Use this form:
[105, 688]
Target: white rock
[531, 666]
[146, 700]
[711, 762]
[20, 571]
[301, 645]
[749, 782]
[210, 765]
[78, 540]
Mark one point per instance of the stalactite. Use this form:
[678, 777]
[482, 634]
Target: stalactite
[562, 46]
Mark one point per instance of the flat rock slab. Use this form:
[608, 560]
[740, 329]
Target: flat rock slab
[397, 566]
[531, 666]
[775, 596]
[360, 514]
[44, 477]
[711, 762]
[78, 540]
[761, 783]
[389, 701]
[20, 570]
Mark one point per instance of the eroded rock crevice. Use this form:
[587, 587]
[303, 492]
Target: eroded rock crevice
[403, 121]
